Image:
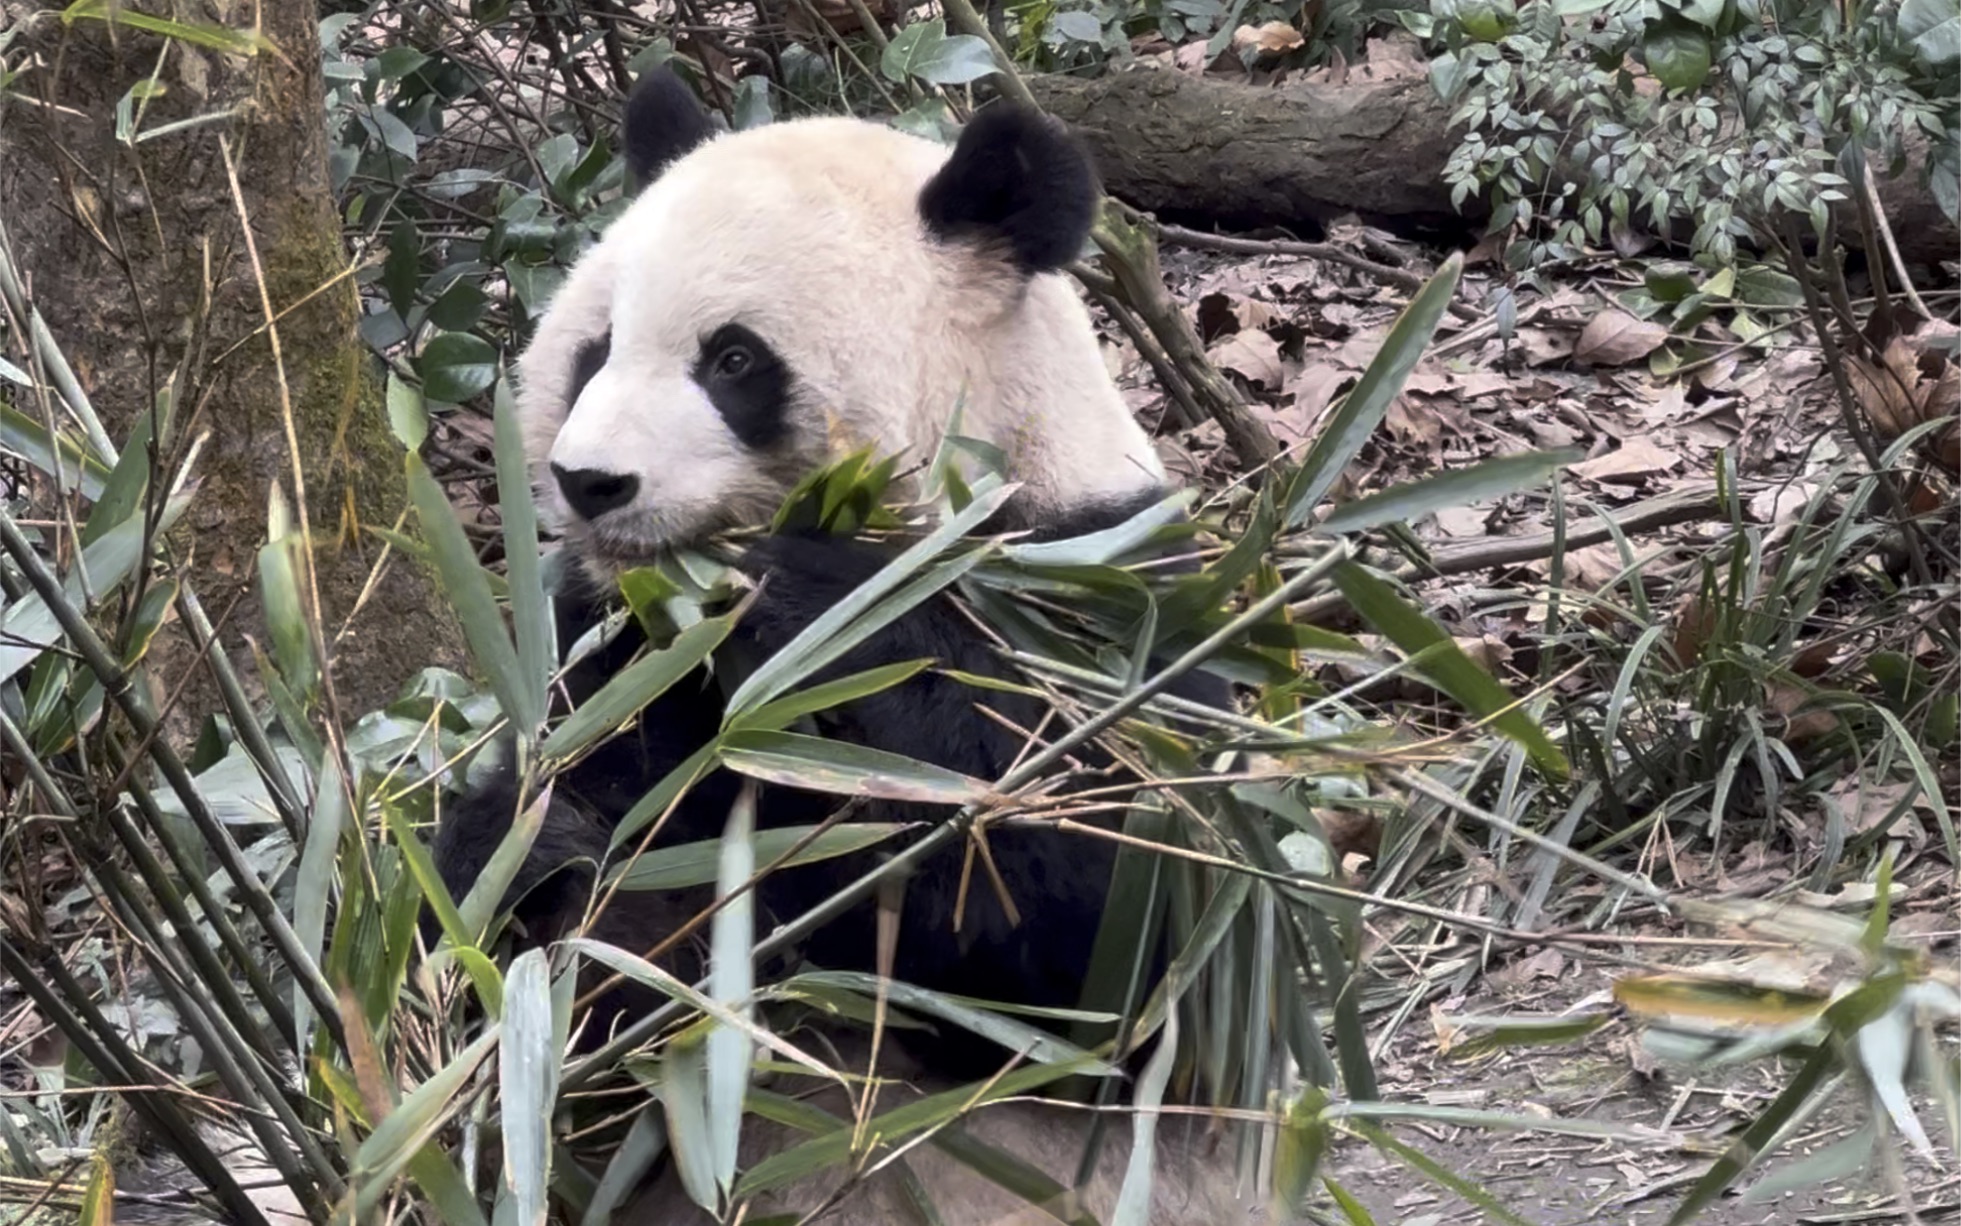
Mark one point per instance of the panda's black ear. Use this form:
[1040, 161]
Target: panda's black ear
[1018, 178]
[663, 122]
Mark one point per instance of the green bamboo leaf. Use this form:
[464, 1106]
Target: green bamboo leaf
[893, 1127]
[1439, 1174]
[314, 881]
[121, 495]
[528, 1084]
[479, 906]
[843, 768]
[793, 707]
[642, 971]
[1299, 1147]
[468, 589]
[731, 980]
[645, 1141]
[76, 466]
[284, 606]
[1134, 1199]
[1212, 926]
[29, 626]
[1445, 664]
[482, 972]
[1362, 409]
[665, 793]
[410, 1126]
[632, 688]
[1098, 548]
[524, 573]
[199, 34]
[1457, 487]
[683, 1098]
[861, 613]
[691, 864]
[1025, 1040]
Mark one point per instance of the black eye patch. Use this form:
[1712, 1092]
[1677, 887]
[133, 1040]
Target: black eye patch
[748, 384]
[589, 361]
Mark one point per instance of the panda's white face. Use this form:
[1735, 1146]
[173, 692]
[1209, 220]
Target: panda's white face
[779, 297]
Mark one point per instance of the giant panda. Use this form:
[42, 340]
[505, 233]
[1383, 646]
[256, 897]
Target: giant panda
[771, 300]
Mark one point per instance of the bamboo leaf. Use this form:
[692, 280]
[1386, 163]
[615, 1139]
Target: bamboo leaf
[632, 688]
[479, 906]
[200, 34]
[690, 864]
[1362, 409]
[29, 627]
[893, 1127]
[846, 769]
[524, 572]
[1457, 487]
[395, 1143]
[121, 495]
[1445, 664]
[642, 971]
[528, 1084]
[1020, 1038]
[861, 613]
[823, 697]
[645, 1140]
[23, 436]
[468, 589]
[1098, 548]
[1134, 1199]
[683, 1098]
[314, 881]
[731, 980]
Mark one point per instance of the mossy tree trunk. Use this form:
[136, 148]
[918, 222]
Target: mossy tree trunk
[140, 263]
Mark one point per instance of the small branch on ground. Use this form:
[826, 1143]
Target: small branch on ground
[1681, 507]
[1200, 241]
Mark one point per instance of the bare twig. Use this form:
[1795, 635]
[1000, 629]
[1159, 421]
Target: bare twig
[1330, 252]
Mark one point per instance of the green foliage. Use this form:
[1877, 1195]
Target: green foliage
[1587, 121]
[1058, 34]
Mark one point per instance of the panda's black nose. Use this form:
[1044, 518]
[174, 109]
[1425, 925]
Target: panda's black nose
[593, 491]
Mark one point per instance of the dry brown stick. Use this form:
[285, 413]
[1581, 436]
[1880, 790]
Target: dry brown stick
[1681, 507]
[1201, 241]
[1130, 254]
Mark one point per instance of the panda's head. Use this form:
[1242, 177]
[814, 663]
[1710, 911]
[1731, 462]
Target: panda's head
[777, 298]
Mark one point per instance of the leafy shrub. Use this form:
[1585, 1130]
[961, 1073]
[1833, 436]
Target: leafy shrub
[1588, 120]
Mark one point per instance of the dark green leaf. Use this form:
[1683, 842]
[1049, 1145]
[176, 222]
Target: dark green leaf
[456, 366]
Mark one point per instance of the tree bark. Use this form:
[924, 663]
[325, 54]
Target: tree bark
[138, 260]
[1216, 151]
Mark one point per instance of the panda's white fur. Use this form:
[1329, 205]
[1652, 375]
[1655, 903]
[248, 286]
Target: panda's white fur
[891, 308]
[809, 231]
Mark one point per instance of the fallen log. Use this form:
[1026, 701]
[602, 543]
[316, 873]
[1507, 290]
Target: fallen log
[1242, 157]
[1213, 151]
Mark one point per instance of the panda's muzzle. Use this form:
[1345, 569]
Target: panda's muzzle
[591, 492]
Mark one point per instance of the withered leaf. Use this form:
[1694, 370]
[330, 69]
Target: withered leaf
[1615, 338]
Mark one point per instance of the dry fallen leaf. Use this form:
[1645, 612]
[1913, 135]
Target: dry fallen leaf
[1637, 460]
[1615, 338]
[1273, 38]
[1253, 355]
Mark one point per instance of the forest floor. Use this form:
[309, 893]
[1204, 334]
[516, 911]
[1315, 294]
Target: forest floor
[1655, 409]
